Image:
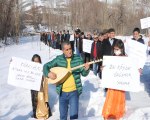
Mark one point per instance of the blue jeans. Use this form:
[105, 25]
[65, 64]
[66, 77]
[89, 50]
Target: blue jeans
[69, 100]
[95, 68]
[53, 44]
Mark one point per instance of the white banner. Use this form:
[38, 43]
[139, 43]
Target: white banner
[145, 23]
[25, 74]
[119, 73]
[72, 37]
[136, 51]
[87, 44]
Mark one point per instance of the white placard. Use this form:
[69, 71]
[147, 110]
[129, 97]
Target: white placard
[72, 37]
[87, 44]
[119, 73]
[25, 74]
[136, 51]
[145, 23]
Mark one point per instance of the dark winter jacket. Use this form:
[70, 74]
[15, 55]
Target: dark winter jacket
[98, 48]
[79, 44]
[64, 37]
[58, 37]
[139, 40]
[68, 37]
[107, 48]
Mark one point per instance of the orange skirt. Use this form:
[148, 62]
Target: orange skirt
[114, 106]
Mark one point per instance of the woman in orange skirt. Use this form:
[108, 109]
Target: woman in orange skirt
[114, 106]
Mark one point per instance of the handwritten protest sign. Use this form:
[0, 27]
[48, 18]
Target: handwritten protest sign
[25, 74]
[119, 73]
[87, 45]
[145, 22]
[137, 52]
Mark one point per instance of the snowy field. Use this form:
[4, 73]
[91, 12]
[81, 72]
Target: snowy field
[15, 103]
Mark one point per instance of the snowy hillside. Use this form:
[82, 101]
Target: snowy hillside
[15, 103]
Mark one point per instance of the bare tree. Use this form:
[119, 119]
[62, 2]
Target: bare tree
[89, 15]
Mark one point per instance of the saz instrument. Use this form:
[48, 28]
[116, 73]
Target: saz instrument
[63, 73]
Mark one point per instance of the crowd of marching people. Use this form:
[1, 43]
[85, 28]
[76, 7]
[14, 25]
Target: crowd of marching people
[102, 43]
[54, 39]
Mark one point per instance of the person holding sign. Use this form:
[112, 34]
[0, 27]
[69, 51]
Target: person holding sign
[78, 42]
[108, 44]
[137, 36]
[71, 88]
[114, 106]
[87, 56]
[41, 109]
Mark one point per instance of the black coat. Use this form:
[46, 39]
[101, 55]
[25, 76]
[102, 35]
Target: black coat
[64, 37]
[68, 37]
[139, 40]
[58, 38]
[79, 44]
[107, 48]
[98, 48]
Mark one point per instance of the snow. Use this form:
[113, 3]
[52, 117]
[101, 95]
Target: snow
[29, 29]
[15, 102]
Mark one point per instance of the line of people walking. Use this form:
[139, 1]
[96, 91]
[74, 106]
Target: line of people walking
[54, 39]
[102, 43]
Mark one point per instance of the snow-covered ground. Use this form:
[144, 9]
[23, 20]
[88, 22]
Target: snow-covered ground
[15, 103]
